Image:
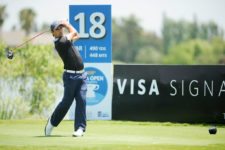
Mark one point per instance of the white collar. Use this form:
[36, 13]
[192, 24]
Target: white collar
[56, 39]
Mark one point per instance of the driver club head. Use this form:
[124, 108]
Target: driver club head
[212, 130]
[9, 53]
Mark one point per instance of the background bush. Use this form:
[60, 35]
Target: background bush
[32, 74]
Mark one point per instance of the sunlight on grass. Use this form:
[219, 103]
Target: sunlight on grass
[29, 134]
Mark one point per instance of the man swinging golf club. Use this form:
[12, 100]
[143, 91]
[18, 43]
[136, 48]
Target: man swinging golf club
[74, 79]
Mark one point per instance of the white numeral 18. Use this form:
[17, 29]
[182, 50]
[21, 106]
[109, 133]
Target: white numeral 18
[97, 25]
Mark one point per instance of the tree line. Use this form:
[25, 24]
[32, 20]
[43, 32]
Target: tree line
[26, 18]
[181, 41]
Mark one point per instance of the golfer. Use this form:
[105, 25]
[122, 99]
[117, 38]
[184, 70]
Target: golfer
[74, 79]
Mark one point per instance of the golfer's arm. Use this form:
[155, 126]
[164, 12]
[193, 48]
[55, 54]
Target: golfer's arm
[73, 35]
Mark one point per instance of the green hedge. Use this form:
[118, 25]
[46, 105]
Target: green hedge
[39, 66]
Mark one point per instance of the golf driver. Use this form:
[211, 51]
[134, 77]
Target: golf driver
[212, 130]
[10, 53]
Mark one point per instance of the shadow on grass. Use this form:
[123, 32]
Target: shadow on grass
[52, 136]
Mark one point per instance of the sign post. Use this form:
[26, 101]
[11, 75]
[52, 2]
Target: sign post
[93, 23]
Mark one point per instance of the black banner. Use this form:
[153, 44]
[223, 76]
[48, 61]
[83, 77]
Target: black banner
[174, 93]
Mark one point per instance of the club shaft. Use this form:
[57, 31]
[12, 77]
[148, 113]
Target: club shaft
[30, 39]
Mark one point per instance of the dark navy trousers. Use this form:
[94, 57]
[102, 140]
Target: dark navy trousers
[75, 87]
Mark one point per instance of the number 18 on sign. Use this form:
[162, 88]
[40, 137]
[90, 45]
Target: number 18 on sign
[93, 23]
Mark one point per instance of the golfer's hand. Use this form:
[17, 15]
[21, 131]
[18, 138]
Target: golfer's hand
[65, 23]
[73, 35]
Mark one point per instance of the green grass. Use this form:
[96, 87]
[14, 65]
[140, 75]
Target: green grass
[109, 135]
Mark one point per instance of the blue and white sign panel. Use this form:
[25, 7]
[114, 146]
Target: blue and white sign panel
[93, 23]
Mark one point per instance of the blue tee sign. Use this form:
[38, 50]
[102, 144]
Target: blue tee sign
[97, 86]
[93, 23]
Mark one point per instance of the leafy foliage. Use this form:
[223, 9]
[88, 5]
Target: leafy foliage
[149, 55]
[36, 66]
[175, 32]
[196, 52]
[182, 42]
[129, 38]
[13, 109]
[3, 14]
[27, 17]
